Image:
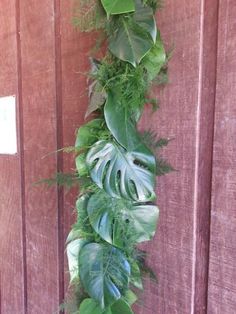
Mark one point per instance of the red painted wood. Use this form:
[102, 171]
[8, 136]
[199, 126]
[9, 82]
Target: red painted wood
[37, 31]
[75, 49]
[179, 252]
[11, 242]
[222, 276]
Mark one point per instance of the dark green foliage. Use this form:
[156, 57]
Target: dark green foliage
[116, 166]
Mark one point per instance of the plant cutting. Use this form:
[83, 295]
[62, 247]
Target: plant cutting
[116, 164]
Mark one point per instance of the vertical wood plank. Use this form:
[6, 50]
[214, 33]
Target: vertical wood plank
[179, 253]
[75, 49]
[222, 275]
[37, 34]
[11, 241]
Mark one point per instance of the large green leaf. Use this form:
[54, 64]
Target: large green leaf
[73, 249]
[118, 6]
[118, 220]
[120, 173]
[135, 35]
[127, 136]
[144, 17]
[104, 272]
[155, 59]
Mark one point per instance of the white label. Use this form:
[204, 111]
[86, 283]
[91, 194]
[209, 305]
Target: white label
[8, 140]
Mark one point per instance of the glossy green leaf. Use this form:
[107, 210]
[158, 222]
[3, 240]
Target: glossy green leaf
[118, 6]
[120, 173]
[135, 35]
[73, 249]
[155, 59]
[144, 17]
[115, 219]
[104, 272]
[87, 134]
[127, 136]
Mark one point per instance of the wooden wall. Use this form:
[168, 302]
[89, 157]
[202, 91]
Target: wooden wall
[194, 252]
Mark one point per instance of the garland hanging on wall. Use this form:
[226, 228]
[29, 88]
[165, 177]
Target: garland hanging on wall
[116, 163]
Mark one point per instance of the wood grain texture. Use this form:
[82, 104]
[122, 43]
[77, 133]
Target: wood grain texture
[222, 275]
[75, 48]
[37, 34]
[179, 253]
[11, 244]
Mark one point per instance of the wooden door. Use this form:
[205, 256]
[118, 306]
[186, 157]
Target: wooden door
[41, 60]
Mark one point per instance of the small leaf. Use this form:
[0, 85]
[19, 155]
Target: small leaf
[87, 134]
[130, 297]
[136, 278]
[118, 6]
[81, 165]
[121, 307]
[155, 59]
[120, 173]
[73, 249]
[97, 98]
[104, 272]
[89, 306]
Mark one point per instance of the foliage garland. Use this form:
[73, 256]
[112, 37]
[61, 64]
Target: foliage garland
[116, 164]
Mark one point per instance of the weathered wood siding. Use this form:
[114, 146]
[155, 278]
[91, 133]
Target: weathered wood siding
[194, 252]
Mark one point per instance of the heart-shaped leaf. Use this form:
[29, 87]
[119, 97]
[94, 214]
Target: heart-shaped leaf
[120, 173]
[104, 272]
[155, 59]
[118, 221]
[73, 249]
[135, 35]
[118, 6]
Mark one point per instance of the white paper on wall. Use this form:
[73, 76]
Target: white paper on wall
[8, 137]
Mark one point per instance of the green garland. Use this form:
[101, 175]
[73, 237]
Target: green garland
[116, 164]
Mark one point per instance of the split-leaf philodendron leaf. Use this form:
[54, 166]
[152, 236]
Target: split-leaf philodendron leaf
[118, 221]
[120, 173]
[118, 6]
[104, 272]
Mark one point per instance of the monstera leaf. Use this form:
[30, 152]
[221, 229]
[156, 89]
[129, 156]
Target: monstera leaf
[89, 306]
[120, 173]
[135, 35]
[117, 220]
[104, 272]
[118, 6]
[73, 249]
[155, 59]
